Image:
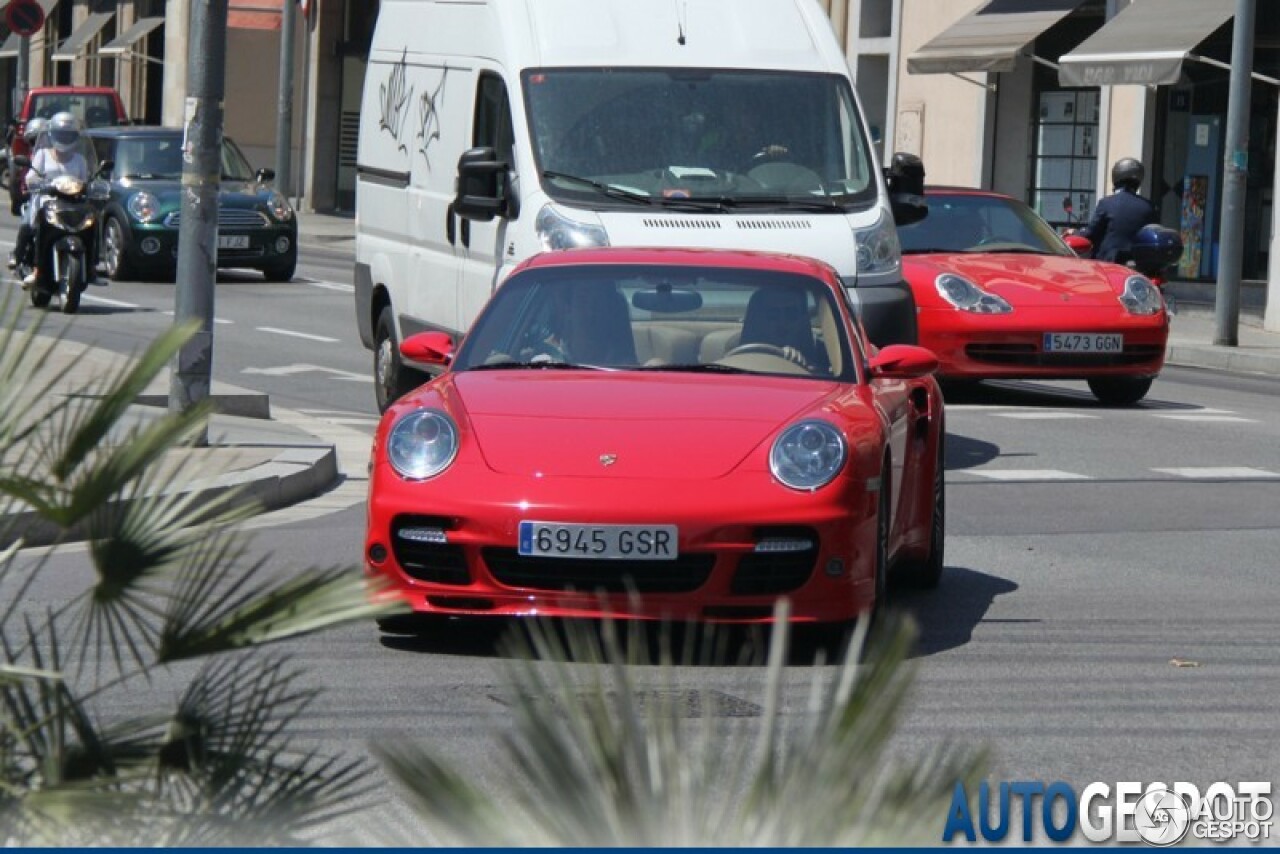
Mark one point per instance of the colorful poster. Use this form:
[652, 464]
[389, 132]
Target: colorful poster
[1195, 193]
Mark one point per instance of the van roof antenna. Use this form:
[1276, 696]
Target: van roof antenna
[682, 17]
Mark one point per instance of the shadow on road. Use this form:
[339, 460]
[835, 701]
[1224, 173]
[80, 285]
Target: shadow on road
[947, 616]
[963, 452]
[1042, 394]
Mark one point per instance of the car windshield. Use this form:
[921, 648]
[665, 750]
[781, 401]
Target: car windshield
[158, 157]
[661, 318]
[759, 138]
[962, 222]
[93, 110]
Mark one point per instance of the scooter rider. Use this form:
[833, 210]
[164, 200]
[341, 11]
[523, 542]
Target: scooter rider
[1118, 217]
[32, 133]
[59, 156]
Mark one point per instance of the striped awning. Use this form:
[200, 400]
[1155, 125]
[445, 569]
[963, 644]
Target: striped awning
[71, 49]
[990, 37]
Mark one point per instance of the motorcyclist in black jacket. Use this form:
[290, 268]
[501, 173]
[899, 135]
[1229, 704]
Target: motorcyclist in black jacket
[1119, 216]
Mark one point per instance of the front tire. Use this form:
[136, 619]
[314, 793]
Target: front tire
[73, 283]
[1120, 391]
[115, 254]
[391, 379]
[926, 574]
[39, 298]
[282, 272]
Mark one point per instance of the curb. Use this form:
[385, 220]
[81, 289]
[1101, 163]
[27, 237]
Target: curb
[1223, 359]
[294, 475]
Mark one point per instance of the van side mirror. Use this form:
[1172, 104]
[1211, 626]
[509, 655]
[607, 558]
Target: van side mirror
[905, 176]
[265, 175]
[482, 185]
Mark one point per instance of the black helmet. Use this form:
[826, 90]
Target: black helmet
[1127, 172]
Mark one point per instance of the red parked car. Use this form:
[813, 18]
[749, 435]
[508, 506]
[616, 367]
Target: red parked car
[94, 106]
[1001, 296]
[655, 434]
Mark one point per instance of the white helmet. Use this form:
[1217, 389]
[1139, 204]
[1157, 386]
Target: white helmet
[31, 132]
[64, 131]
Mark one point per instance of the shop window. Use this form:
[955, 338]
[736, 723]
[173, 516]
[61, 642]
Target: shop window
[1065, 158]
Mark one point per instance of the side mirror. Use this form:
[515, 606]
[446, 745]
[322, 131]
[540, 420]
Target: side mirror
[428, 348]
[265, 175]
[905, 177]
[482, 185]
[1081, 245]
[903, 362]
[105, 167]
[22, 160]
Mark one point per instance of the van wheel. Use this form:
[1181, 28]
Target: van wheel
[391, 379]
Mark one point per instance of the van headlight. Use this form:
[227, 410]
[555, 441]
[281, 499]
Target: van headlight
[143, 207]
[879, 254]
[422, 444]
[967, 296]
[808, 455]
[1140, 296]
[557, 231]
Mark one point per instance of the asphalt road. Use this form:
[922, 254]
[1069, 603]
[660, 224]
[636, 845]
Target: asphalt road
[1087, 549]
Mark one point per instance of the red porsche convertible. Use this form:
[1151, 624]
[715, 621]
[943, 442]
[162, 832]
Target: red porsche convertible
[1000, 295]
[660, 434]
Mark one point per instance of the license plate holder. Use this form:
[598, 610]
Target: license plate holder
[1083, 342]
[598, 542]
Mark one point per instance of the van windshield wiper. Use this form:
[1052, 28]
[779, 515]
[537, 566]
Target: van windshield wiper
[612, 191]
[804, 203]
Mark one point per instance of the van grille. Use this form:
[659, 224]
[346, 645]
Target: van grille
[672, 222]
[776, 224]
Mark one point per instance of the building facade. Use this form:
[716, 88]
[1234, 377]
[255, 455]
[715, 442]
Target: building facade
[1035, 98]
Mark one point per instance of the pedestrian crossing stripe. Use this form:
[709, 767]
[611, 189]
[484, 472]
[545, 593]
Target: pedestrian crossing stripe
[1218, 472]
[1034, 415]
[1028, 474]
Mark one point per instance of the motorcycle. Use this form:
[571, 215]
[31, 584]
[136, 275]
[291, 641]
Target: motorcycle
[65, 236]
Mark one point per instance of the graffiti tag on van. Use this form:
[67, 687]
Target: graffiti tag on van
[429, 117]
[394, 98]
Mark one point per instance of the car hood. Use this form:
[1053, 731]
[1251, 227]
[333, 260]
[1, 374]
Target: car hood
[654, 426]
[168, 192]
[1023, 280]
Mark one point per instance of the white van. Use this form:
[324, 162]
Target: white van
[491, 130]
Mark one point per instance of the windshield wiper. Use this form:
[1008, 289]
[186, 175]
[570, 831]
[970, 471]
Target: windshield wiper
[998, 249]
[930, 250]
[711, 368]
[546, 365]
[804, 203]
[610, 190]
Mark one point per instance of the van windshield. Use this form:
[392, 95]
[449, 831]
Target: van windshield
[735, 139]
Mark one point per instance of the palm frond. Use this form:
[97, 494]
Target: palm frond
[598, 760]
[212, 612]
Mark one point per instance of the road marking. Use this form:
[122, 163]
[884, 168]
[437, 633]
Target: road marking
[1027, 474]
[1208, 419]
[308, 336]
[221, 320]
[291, 370]
[1218, 472]
[330, 286]
[113, 302]
[1041, 416]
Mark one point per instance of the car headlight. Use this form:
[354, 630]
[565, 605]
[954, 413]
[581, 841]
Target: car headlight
[1140, 296]
[280, 207]
[808, 455]
[967, 296]
[143, 207]
[879, 255]
[422, 444]
[556, 231]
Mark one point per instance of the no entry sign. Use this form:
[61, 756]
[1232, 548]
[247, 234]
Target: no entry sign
[24, 17]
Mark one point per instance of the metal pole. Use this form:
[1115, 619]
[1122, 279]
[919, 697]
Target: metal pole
[1235, 174]
[23, 81]
[284, 122]
[300, 187]
[201, 177]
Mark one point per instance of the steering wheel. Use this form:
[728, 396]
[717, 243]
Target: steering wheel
[791, 354]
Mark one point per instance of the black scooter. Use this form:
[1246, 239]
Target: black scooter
[65, 237]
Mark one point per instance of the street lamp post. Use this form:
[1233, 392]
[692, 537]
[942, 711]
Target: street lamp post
[284, 122]
[192, 374]
[1235, 179]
